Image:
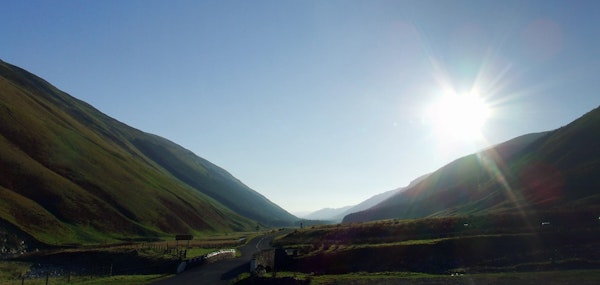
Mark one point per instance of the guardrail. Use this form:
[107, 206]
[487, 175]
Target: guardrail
[220, 252]
[209, 257]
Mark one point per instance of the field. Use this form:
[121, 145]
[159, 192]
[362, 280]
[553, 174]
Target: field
[84, 280]
[492, 249]
[583, 277]
[129, 263]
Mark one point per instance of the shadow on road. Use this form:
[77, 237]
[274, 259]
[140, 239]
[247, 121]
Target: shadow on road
[234, 272]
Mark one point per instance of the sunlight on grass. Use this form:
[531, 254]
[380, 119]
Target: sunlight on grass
[86, 280]
[125, 280]
[12, 270]
[195, 252]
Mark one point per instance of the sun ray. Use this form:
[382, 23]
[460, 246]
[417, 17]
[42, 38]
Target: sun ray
[457, 116]
[493, 164]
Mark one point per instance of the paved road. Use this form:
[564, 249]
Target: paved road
[221, 272]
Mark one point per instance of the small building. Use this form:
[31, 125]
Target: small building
[263, 260]
[271, 260]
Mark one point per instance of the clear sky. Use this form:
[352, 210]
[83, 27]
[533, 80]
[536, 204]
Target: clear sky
[318, 103]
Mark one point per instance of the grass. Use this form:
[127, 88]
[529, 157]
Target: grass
[471, 244]
[10, 270]
[195, 252]
[95, 263]
[432, 241]
[86, 280]
[433, 229]
[584, 277]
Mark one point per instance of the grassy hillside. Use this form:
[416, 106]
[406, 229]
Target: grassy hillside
[211, 180]
[72, 174]
[537, 172]
[465, 244]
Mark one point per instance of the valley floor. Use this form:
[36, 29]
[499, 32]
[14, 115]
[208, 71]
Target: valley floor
[454, 250]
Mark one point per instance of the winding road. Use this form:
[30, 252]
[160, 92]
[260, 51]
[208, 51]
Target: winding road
[221, 272]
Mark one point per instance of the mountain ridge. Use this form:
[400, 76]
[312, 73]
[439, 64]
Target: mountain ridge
[70, 173]
[535, 172]
[326, 214]
[337, 214]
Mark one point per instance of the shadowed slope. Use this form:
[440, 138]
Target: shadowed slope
[551, 171]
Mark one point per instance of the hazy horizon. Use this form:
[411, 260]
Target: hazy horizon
[319, 104]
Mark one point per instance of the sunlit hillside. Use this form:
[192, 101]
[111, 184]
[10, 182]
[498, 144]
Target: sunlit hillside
[70, 174]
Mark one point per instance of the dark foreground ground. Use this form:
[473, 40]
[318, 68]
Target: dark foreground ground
[584, 277]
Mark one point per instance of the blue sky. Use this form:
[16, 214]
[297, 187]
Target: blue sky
[315, 103]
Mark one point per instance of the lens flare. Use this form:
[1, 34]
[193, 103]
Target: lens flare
[459, 117]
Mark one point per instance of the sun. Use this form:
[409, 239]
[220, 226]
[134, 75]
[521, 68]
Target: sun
[459, 116]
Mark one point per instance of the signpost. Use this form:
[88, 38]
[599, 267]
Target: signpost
[183, 237]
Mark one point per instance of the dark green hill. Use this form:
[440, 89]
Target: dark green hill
[69, 173]
[551, 172]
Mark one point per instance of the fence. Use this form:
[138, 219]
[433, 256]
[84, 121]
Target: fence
[52, 275]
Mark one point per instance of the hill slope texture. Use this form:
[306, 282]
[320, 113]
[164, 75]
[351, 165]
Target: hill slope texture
[541, 173]
[69, 173]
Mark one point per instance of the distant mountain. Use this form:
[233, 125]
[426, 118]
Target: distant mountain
[381, 197]
[336, 215]
[551, 171]
[327, 214]
[71, 174]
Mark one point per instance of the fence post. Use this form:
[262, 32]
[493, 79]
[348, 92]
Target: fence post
[23, 280]
[111, 269]
[47, 275]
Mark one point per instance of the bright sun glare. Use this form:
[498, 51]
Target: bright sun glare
[459, 116]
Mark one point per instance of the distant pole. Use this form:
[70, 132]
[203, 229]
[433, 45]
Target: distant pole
[47, 275]
[111, 267]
